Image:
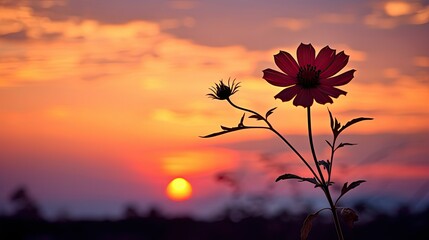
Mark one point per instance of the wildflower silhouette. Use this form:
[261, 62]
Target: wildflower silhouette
[311, 78]
[222, 91]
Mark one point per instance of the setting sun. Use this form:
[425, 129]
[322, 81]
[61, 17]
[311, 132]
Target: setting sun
[179, 189]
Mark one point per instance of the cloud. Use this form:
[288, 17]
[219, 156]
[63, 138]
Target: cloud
[171, 23]
[174, 71]
[186, 162]
[399, 8]
[292, 24]
[391, 73]
[30, 3]
[390, 14]
[356, 55]
[10, 26]
[421, 61]
[182, 4]
[338, 18]
[421, 16]
[73, 49]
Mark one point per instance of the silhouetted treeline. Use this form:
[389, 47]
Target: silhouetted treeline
[402, 225]
[235, 222]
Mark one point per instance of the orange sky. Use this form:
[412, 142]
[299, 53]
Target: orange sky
[123, 101]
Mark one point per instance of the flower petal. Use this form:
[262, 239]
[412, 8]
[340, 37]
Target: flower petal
[288, 93]
[278, 79]
[286, 63]
[320, 96]
[340, 61]
[324, 58]
[303, 98]
[331, 91]
[339, 80]
[306, 54]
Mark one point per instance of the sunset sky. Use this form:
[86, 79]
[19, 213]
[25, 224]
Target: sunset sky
[102, 102]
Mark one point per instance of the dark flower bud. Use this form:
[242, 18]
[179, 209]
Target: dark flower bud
[222, 91]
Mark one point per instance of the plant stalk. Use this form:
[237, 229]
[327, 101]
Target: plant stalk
[325, 185]
[335, 215]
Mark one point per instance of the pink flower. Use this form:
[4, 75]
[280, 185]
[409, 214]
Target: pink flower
[312, 78]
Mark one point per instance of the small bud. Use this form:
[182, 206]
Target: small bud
[350, 216]
[221, 91]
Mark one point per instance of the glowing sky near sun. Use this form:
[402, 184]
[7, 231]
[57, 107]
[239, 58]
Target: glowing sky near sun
[110, 95]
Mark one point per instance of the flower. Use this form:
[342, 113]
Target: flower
[312, 78]
[222, 91]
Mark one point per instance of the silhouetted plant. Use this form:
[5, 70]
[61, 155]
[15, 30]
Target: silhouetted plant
[312, 78]
[25, 207]
[131, 212]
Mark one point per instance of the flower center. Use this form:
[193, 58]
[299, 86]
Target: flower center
[223, 92]
[308, 76]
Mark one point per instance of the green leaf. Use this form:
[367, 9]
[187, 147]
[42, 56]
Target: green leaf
[307, 225]
[270, 112]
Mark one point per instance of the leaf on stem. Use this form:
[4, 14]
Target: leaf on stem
[349, 216]
[352, 185]
[331, 119]
[222, 132]
[347, 188]
[336, 126]
[326, 165]
[301, 179]
[351, 122]
[257, 117]
[307, 225]
[241, 124]
[227, 129]
[345, 144]
[270, 112]
[329, 143]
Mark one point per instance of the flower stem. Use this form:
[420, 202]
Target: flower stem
[335, 215]
[332, 159]
[325, 185]
[313, 152]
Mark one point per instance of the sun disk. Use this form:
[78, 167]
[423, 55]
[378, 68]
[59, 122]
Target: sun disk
[179, 189]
